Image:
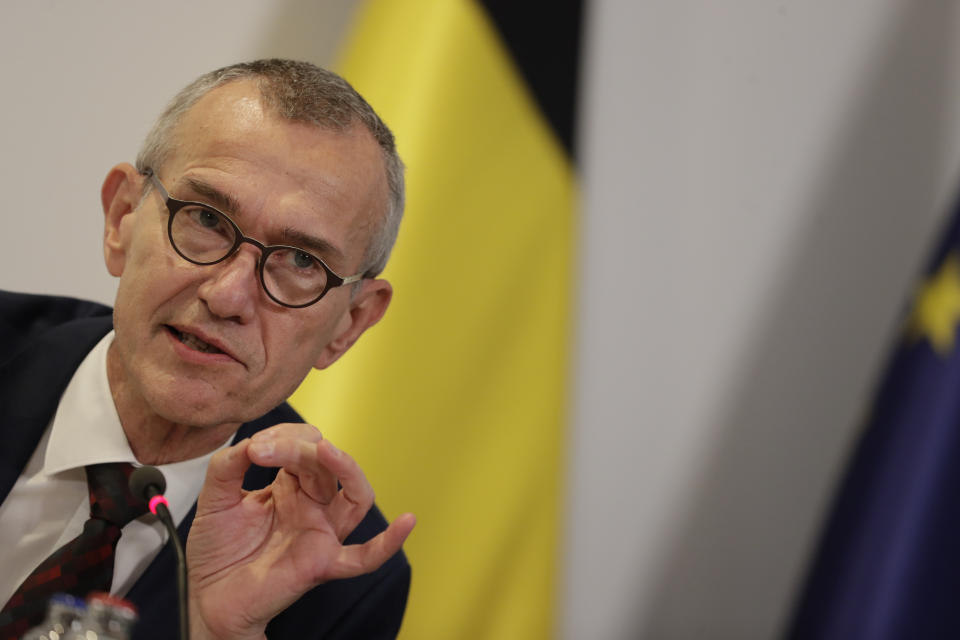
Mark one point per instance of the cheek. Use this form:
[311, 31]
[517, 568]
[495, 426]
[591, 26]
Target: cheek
[138, 246]
[297, 349]
[289, 364]
[151, 278]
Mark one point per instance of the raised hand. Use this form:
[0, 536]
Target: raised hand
[252, 554]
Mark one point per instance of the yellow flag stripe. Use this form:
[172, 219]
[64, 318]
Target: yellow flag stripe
[455, 403]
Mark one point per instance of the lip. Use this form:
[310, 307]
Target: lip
[200, 356]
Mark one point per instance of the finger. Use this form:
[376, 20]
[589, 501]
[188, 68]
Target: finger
[294, 448]
[277, 446]
[223, 486]
[358, 559]
[290, 429]
[356, 496]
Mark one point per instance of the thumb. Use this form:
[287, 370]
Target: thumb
[223, 486]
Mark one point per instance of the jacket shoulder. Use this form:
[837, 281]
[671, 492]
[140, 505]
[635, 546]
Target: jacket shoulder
[24, 316]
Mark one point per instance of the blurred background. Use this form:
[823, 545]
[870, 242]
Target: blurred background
[626, 364]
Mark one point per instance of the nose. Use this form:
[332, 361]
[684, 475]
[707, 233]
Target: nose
[232, 288]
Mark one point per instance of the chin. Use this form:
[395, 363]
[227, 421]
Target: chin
[199, 409]
[205, 402]
[200, 418]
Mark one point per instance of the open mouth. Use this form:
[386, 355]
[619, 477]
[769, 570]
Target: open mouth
[193, 341]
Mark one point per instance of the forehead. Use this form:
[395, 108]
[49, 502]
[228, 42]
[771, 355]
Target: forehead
[310, 179]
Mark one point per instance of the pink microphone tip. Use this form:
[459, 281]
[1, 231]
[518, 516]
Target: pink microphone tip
[155, 500]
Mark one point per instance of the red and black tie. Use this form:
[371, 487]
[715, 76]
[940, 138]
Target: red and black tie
[85, 563]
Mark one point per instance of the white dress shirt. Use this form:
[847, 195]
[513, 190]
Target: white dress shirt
[49, 503]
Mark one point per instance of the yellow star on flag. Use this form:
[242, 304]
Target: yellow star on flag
[936, 309]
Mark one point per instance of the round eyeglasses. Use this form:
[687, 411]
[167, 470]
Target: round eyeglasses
[204, 235]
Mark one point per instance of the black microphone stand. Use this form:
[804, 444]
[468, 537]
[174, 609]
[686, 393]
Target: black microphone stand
[149, 484]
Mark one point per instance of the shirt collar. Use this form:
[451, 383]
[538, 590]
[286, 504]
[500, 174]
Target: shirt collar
[86, 428]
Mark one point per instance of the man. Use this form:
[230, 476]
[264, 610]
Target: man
[247, 241]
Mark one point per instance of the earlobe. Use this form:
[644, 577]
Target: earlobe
[119, 196]
[366, 309]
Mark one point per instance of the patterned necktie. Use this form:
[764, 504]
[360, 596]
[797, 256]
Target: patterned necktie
[83, 564]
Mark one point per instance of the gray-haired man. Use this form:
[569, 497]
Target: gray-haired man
[247, 242]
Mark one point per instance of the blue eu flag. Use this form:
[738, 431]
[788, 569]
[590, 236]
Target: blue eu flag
[888, 565]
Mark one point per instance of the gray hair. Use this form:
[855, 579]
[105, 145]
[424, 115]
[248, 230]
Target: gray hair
[301, 92]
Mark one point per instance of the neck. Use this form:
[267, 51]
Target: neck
[158, 441]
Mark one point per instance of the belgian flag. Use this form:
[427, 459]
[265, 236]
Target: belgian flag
[456, 404]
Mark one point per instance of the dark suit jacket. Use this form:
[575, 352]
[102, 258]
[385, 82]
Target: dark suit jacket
[43, 340]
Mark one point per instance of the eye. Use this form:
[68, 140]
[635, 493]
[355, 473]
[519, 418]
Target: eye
[302, 260]
[205, 218]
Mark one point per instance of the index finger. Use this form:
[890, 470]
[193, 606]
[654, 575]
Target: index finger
[293, 446]
[348, 507]
[302, 430]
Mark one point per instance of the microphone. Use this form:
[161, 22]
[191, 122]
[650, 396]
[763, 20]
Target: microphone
[149, 484]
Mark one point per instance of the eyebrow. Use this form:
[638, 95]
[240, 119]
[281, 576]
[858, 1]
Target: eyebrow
[227, 204]
[213, 196]
[313, 244]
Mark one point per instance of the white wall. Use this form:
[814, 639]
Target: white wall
[83, 82]
[762, 181]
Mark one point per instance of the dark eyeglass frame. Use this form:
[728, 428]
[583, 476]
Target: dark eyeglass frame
[173, 206]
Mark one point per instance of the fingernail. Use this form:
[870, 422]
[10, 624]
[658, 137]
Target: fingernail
[263, 435]
[263, 448]
[335, 451]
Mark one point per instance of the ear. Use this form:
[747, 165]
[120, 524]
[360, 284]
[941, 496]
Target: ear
[119, 196]
[366, 309]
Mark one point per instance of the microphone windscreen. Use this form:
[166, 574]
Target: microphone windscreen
[144, 477]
